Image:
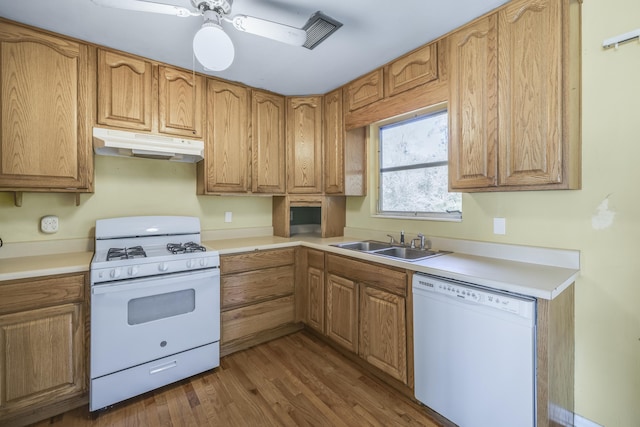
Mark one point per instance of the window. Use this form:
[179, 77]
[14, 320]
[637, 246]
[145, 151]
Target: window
[413, 173]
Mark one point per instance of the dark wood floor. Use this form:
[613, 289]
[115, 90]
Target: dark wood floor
[293, 381]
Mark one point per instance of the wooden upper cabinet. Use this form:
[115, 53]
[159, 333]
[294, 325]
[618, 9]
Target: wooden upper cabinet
[473, 107]
[334, 140]
[304, 145]
[539, 93]
[412, 70]
[140, 95]
[180, 102]
[125, 91]
[365, 90]
[514, 105]
[268, 143]
[46, 106]
[226, 163]
[530, 101]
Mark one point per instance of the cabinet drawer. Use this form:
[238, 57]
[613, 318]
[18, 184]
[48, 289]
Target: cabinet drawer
[250, 320]
[256, 260]
[25, 294]
[315, 259]
[253, 286]
[377, 275]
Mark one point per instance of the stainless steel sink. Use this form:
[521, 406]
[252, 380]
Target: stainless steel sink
[388, 250]
[407, 254]
[364, 246]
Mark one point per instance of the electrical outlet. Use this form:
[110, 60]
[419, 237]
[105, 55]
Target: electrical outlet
[499, 226]
[49, 224]
[228, 216]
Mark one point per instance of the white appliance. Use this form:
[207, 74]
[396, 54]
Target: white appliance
[474, 353]
[121, 143]
[155, 306]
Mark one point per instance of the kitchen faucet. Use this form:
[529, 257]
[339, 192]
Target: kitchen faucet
[393, 240]
[422, 239]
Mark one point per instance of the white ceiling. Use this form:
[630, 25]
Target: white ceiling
[374, 32]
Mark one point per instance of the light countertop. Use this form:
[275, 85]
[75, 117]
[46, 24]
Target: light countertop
[44, 265]
[528, 278]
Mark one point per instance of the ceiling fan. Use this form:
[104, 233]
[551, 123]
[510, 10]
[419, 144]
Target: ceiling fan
[211, 45]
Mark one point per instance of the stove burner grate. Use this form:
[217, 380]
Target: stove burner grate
[181, 248]
[125, 253]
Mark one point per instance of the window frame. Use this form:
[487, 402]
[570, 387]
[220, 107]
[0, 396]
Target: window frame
[452, 216]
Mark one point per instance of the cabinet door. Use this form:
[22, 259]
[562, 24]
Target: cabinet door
[46, 111]
[342, 311]
[365, 90]
[125, 96]
[415, 69]
[530, 45]
[227, 141]
[268, 143]
[383, 333]
[304, 145]
[180, 100]
[315, 298]
[333, 138]
[473, 108]
[42, 357]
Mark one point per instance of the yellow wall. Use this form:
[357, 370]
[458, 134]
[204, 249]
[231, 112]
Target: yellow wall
[607, 382]
[607, 386]
[124, 187]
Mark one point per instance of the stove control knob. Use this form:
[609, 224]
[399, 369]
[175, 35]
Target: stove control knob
[133, 270]
[203, 262]
[163, 266]
[115, 273]
[191, 263]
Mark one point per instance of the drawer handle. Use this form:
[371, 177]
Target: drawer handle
[161, 368]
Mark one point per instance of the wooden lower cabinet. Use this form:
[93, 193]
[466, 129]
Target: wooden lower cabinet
[315, 290]
[366, 313]
[383, 331]
[257, 297]
[248, 321]
[42, 348]
[342, 311]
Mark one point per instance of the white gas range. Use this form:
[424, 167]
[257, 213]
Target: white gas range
[155, 306]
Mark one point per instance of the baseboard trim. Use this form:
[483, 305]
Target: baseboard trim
[562, 417]
[580, 421]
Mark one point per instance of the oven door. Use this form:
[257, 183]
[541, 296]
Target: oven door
[136, 321]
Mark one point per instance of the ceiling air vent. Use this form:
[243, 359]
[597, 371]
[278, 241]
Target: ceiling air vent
[318, 28]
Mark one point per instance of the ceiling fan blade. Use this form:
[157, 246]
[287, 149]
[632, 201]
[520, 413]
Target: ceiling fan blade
[269, 29]
[147, 6]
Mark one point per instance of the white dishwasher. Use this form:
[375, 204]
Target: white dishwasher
[474, 353]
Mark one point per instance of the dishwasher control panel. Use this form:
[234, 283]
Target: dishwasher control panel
[497, 300]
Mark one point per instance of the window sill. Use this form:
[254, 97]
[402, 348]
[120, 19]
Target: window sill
[419, 218]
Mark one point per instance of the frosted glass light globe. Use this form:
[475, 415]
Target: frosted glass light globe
[213, 47]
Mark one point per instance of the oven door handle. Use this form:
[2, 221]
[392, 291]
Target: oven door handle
[145, 284]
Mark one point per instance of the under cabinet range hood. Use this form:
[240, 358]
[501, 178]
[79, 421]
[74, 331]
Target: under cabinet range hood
[110, 142]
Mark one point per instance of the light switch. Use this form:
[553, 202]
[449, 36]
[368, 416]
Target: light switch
[499, 226]
[228, 216]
